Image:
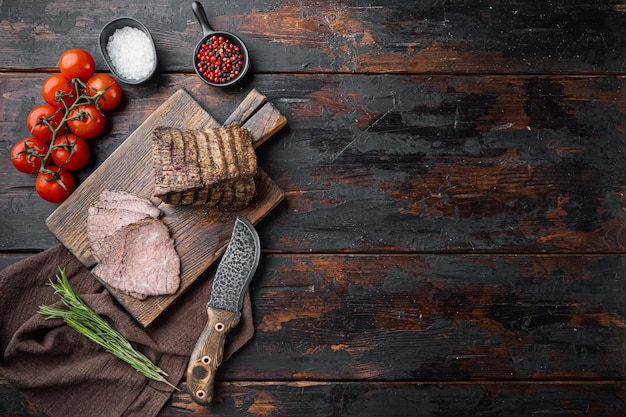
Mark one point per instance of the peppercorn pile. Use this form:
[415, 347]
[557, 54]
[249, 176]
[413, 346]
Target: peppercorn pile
[219, 60]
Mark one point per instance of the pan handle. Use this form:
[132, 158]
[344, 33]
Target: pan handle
[198, 10]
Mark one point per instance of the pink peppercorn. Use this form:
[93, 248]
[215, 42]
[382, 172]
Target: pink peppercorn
[219, 60]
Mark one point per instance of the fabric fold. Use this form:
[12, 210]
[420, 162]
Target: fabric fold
[63, 373]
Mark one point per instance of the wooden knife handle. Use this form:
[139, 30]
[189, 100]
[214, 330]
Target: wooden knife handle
[208, 353]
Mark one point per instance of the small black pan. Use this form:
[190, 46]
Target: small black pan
[239, 54]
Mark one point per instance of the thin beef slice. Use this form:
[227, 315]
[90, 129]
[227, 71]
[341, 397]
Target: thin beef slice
[127, 201]
[112, 211]
[141, 260]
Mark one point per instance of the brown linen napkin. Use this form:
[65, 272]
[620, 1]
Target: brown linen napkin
[64, 374]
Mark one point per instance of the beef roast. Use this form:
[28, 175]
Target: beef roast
[102, 223]
[213, 167]
[133, 247]
[112, 211]
[140, 259]
[127, 201]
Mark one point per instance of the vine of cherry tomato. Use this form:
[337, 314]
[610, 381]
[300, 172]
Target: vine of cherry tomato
[43, 120]
[76, 100]
[26, 154]
[55, 184]
[86, 120]
[71, 152]
[112, 91]
[57, 90]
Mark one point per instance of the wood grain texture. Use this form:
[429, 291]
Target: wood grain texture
[200, 234]
[208, 353]
[435, 318]
[546, 327]
[452, 237]
[484, 399]
[407, 398]
[354, 36]
[546, 320]
[400, 163]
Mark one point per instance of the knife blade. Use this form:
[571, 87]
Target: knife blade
[232, 277]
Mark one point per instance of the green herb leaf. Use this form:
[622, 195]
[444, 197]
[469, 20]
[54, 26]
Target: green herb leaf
[87, 322]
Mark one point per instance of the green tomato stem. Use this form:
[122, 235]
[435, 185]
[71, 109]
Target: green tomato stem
[81, 98]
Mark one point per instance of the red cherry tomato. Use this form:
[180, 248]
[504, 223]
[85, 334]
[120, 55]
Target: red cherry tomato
[70, 152]
[37, 118]
[55, 184]
[58, 91]
[112, 94]
[27, 154]
[77, 63]
[86, 121]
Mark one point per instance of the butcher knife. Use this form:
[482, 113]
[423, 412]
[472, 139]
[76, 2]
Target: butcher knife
[232, 277]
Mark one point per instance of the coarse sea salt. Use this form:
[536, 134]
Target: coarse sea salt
[130, 52]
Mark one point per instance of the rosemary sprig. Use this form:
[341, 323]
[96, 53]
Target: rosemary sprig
[87, 322]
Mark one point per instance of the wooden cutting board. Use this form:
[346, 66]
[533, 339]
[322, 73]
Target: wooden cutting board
[200, 234]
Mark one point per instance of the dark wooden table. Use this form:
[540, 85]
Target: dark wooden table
[453, 238]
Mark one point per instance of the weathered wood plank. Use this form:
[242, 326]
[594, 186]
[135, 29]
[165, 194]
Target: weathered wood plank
[453, 238]
[7, 259]
[406, 399]
[356, 36]
[397, 163]
[435, 318]
[350, 317]
[389, 399]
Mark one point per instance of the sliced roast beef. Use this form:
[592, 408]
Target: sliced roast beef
[114, 199]
[141, 260]
[133, 247]
[112, 211]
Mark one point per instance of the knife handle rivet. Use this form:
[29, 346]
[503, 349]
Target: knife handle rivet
[200, 394]
[206, 360]
[219, 327]
[199, 372]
